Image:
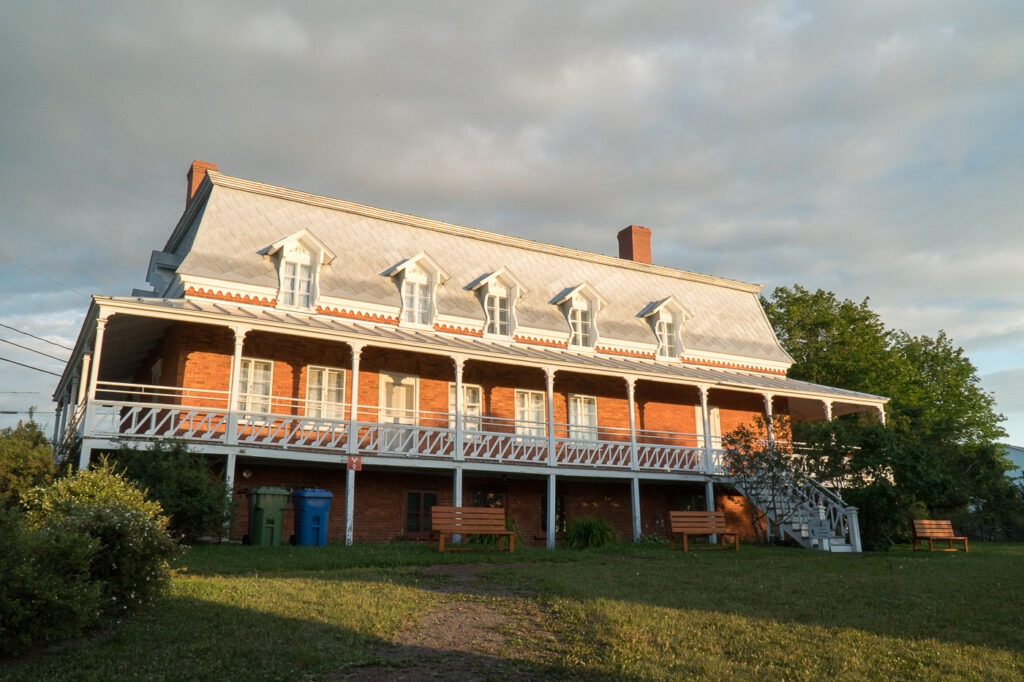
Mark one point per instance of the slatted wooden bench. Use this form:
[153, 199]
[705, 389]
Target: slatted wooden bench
[931, 530]
[700, 523]
[446, 521]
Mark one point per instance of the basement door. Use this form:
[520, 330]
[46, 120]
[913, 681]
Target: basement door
[398, 421]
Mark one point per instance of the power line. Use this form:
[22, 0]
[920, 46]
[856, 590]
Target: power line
[15, 362]
[33, 350]
[42, 274]
[52, 343]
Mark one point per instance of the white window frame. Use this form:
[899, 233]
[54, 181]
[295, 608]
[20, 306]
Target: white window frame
[498, 304]
[297, 287]
[582, 417]
[300, 258]
[417, 298]
[581, 323]
[472, 409]
[247, 400]
[526, 408]
[320, 406]
[667, 331]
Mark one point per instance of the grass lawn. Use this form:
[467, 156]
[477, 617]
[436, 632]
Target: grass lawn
[629, 612]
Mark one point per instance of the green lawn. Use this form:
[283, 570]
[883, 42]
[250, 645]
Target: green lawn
[631, 612]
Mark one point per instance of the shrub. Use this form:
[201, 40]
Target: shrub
[132, 549]
[46, 592]
[588, 533]
[197, 502]
[25, 461]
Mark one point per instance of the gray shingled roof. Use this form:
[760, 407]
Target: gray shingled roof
[242, 218]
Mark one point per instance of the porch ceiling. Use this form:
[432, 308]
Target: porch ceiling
[138, 339]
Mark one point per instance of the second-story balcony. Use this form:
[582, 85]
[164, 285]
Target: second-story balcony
[274, 423]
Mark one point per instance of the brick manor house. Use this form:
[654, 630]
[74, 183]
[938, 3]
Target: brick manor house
[401, 362]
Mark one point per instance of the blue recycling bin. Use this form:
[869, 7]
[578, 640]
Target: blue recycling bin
[312, 508]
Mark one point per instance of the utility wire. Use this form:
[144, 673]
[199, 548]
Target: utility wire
[42, 274]
[52, 343]
[33, 350]
[15, 362]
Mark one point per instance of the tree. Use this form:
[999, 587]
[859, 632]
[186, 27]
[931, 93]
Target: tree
[25, 461]
[938, 445]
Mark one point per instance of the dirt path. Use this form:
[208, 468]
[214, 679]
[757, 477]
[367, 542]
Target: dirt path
[478, 631]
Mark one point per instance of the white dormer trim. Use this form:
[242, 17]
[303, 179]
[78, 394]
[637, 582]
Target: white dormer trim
[666, 319]
[581, 306]
[300, 258]
[417, 279]
[499, 282]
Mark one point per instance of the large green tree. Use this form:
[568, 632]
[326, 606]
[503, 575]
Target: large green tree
[25, 460]
[939, 440]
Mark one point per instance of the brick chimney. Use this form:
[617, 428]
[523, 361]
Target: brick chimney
[195, 176]
[635, 244]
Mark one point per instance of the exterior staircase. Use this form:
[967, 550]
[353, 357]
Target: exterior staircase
[806, 511]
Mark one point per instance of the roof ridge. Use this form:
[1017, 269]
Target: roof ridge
[217, 178]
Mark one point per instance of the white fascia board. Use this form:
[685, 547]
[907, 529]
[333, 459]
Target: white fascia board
[697, 355]
[457, 321]
[358, 306]
[542, 334]
[227, 286]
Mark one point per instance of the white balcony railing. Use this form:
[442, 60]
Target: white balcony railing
[137, 411]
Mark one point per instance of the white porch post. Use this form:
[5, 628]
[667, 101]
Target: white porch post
[709, 487]
[549, 376]
[881, 415]
[828, 410]
[631, 401]
[552, 503]
[769, 414]
[231, 437]
[352, 445]
[94, 371]
[854, 526]
[58, 415]
[457, 497]
[634, 490]
[459, 436]
[229, 483]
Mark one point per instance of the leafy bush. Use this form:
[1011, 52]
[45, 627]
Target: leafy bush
[649, 539]
[197, 502]
[129, 560]
[25, 461]
[46, 593]
[588, 533]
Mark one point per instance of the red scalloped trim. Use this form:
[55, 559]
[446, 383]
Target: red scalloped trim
[733, 365]
[623, 352]
[233, 298]
[462, 331]
[356, 315]
[533, 341]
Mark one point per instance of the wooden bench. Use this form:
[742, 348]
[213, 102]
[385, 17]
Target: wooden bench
[931, 530]
[469, 521]
[700, 523]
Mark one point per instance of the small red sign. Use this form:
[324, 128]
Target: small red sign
[355, 463]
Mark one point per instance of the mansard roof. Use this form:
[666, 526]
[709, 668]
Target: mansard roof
[231, 220]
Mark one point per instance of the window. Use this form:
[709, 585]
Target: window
[254, 383]
[582, 417]
[470, 407]
[297, 284]
[580, 322]
[530, 417]
[497, 311]
[325, 392]
[559, 514]
[487, 498]
[417, 513]
[415, 297]
[665, 329]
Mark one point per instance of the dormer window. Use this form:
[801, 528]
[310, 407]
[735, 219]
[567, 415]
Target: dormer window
[300, 258]
[666, 318]
[580, 306]
[416, 297]
[417, 279]
[498, 292]
[580, 322]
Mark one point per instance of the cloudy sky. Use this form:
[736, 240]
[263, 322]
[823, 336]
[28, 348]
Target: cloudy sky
[875, 149]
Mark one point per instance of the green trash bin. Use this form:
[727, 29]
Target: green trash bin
[266, 515]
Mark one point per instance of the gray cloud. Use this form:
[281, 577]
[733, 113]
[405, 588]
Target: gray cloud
[868, 148]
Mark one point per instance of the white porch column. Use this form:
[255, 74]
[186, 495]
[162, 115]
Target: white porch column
[459, 436]
[769, 414]
[353, 405]
[828, 410]
[631, 402]
[709, 487]
[231, 437]
[58, 415]
[350, 504]
[549, 376]
[229, 483]
[881, 415]
[552, 504]
[634, 489]
[854, 525]
[90, 391]
[457, 497]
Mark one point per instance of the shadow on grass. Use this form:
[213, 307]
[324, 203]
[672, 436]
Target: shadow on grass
[193, 639]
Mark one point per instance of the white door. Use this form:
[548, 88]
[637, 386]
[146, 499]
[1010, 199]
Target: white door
[398, 419]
